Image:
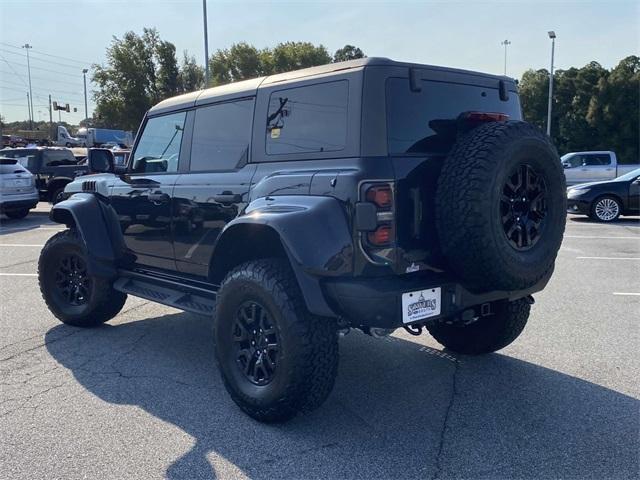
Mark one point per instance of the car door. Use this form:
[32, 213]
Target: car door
[633, 204]
[216, 187]
[143, 198]
[597, 167]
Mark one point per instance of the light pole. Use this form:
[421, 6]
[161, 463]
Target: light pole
[206, 45]
[27, 47]
[505, 43]
[84, 78]
[552, 36]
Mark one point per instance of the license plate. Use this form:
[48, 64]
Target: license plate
[420, 304]
[21, 182]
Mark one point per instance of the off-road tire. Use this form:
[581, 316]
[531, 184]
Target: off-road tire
[487, 334]
[17, 214]
[468, 206]
[56, 195]
[307, 362]
[103, 302]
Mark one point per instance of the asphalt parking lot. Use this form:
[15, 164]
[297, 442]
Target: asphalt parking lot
[140, 397]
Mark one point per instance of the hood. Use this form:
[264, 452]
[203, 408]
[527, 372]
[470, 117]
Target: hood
[580, 186]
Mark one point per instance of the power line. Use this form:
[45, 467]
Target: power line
[13, 70]
[47, 79]
[55, 62]
[40, 68]
[56, 92]
[38, 52]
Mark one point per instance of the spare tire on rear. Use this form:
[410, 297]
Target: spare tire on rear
[501, 206]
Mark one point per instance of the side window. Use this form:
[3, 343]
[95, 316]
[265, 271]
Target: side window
[574, 161]
[221, 135]
[597, 159]
[308, 119]
[158, 150]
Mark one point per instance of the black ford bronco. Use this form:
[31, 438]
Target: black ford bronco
[369, 194]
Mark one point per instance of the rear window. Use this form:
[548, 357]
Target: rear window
[21, 155]
[308, 119]
[56, 158]
[425, 121]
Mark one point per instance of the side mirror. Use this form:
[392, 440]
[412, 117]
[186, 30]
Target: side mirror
[100, 160]
[566, 165]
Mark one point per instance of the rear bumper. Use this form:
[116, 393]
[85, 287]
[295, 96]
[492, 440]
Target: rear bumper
[377, 302]
[18, 202]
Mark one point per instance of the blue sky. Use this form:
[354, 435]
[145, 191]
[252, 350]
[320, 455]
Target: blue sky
[451, 33]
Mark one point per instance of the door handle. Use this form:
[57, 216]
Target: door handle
[159, 198]
[227, 198]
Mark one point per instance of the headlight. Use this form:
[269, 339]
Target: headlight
[576, 192]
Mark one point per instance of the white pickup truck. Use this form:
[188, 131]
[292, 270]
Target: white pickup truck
[583, 167]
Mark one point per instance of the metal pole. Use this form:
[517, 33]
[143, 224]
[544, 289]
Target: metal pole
[84, 77]
[206, 45]
[50, 119]
[29, 111]
[505, 43]
[26, 46]
[553, 46]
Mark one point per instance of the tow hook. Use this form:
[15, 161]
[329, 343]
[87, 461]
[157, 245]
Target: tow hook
[530, 300]
[379, 332]
[414, 329]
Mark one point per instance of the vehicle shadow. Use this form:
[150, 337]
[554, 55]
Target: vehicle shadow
[399, 410]
[35, 219]
[620, 222]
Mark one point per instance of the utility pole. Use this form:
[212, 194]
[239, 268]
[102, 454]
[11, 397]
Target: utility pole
[50, 118]
[505, 43]
[27, 47]
[84, 77]
[552, 36]
[206, 45]
[29, 112]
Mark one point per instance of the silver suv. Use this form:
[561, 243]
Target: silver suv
[18, 193]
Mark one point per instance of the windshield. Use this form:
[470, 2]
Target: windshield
[629, 176]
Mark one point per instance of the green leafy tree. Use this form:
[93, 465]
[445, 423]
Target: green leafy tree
[191, 74]
[296, 55]
[168, 75]
[348, 52]
[533, 88]
[613, 112]
[141, 71]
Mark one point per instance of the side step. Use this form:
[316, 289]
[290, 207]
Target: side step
[181, 296]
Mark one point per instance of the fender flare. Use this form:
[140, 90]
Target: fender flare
[98, 226]
[315, 235]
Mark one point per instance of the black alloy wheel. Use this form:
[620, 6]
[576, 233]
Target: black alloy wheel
[71, 280]
[256, 343]
[523, 207]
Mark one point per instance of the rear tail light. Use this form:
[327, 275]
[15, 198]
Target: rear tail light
[381, 195]
[381, 236]
[381, 232]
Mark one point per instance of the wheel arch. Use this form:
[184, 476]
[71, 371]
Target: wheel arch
[310, 232]
[55, 184]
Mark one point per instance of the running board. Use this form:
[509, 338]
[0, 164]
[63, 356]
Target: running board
[183, 297]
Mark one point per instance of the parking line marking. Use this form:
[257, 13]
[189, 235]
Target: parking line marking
[608, 258]
[19, 245]
[637, 237]
[630, 294]
[18, 274]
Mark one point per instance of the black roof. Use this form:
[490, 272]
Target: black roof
[249, 87]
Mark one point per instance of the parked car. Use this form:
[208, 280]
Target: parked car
[18, 193]
[54, 168]
[606, 201]
[12, 141]
[368, 194]
[581, 167]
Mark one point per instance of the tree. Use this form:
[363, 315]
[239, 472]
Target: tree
[168, 76]
[191, 74]
[141, 71]
[533, 88]
[348, 52]
[613, 112]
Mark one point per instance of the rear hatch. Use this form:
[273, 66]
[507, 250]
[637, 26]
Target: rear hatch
[14, 178]
[424, 118]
